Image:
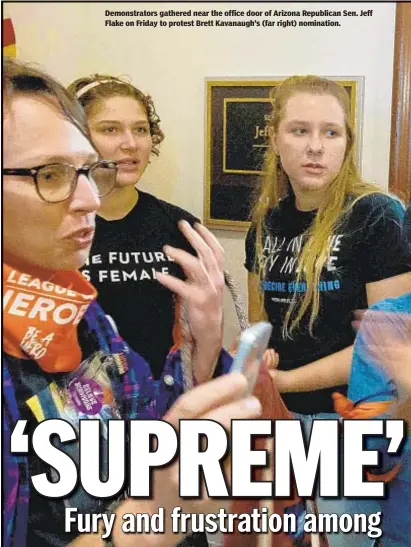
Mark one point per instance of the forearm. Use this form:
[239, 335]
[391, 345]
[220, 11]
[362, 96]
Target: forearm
[205, 360]
[329, 371]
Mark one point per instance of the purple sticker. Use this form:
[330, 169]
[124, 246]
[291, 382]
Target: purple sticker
[86, 395]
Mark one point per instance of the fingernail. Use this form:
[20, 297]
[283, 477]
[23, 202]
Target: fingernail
[252, 403]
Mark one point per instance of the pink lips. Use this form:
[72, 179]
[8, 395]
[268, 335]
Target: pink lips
[82, 238]
[314, 167]
[128, 164]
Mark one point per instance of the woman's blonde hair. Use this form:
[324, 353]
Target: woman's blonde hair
[343, 192]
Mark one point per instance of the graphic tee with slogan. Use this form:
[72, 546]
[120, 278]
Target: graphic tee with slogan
[366, 247]
[124, 259]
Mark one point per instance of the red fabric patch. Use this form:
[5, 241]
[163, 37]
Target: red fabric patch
[9, 37]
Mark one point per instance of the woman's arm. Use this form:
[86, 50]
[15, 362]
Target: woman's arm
[386, 335]
[202, 293]
[334, 369]
[388, 288]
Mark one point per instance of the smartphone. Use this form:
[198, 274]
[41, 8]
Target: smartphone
[251, 347]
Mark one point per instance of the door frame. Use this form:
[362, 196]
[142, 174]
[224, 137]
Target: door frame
[400, 149]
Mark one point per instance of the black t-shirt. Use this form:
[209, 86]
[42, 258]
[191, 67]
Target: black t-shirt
[367, 247]
[124, 257]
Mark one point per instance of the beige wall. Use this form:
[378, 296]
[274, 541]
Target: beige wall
[70, 40]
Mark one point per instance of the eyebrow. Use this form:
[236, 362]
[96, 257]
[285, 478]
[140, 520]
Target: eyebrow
[307, 122]
[45, 160]
[140, 122]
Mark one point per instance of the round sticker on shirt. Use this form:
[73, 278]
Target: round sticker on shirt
[86, 396]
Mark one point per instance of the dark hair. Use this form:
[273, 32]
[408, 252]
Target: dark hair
[108, 86]
[21, 78]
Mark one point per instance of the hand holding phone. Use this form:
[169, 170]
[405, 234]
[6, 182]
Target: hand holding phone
[251, 347]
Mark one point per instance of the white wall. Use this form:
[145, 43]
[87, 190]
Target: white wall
[70, 40]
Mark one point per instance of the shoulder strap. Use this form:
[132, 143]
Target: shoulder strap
[185, 336]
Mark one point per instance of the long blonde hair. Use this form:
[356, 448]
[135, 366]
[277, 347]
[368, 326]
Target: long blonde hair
[275, 185]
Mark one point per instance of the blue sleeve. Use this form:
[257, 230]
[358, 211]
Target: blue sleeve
[369, 383]
[146, 398]
[224, 364]
[16, 487]
[140, 395]
[171, 384]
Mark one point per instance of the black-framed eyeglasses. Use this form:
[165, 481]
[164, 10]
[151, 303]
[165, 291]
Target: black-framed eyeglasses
[56, 182]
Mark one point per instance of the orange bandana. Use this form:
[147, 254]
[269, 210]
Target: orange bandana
[41, 311]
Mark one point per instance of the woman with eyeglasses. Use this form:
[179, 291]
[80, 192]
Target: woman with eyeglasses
[132, 226]
[62, 357]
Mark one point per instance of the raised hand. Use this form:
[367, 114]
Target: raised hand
[221, 400]
[202, 292]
